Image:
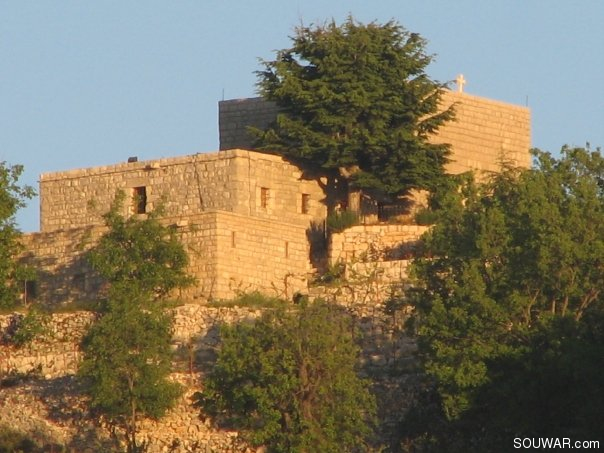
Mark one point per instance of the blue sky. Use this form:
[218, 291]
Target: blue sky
[92, 83]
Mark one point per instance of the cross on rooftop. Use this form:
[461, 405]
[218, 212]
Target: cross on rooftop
[461, 81]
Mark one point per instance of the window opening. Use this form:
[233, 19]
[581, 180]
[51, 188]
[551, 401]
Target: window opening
[264, 197]
[80, 281]
[30, 290]
[305, 207]
[139, 200]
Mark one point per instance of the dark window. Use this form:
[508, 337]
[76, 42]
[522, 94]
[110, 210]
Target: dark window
[305, 207]
[139, 200]
[80, 282]
[31, 290]
[264, 197]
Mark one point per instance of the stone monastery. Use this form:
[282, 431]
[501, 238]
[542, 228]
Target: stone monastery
[249, 220]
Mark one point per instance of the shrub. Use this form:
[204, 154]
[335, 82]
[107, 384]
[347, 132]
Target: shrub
[339, 221]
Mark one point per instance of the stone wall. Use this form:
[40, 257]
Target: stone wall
[62, 273]
[236, 115]
[228, 253]
[244, 217]
[374, 243]
[239, 181]
[484, 132]
[257, 254]
[185, 185]
[56, 353]
[53, 409]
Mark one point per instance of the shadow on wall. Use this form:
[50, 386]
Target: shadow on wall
[317, 240]
[64, 276]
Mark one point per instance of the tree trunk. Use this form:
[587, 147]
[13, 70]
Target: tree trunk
[132, 447]
[354, 200]
[354, 194]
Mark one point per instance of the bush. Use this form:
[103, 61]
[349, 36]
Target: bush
[426, 217]
[24, 329]
[339, 221]
[332, 275]
[289, 382]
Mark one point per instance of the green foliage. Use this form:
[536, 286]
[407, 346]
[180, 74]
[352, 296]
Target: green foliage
[355, 98]
[12, 198]
[127, 360]
[509, 301]
[138, 252]
[338, 221]
[28, 327]
[332, 275]
[289, 382]
[426, 217]
[127, 354]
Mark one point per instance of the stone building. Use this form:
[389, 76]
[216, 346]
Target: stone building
[249, 220]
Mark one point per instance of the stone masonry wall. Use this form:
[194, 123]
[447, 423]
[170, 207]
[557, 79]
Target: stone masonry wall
[63, 274]
[186, 185]
[231, 181]
[484, 132]
[258, 254]
[228, 253]
[52, 408]
[374, 243]
[269, 187]
[236, 115]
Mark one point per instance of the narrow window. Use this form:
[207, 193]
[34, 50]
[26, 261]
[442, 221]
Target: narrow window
[233, 239]
[286, 249]
[305, 206]
[80, 282]
[139, 200]
[30, 290]
[264, 197]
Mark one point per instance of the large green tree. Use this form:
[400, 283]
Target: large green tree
[289, 382]
[127, 354]
[12, 198]
[509, 305]
[354, 99]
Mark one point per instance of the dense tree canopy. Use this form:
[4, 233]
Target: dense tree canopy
[509, 304]
[12, 198]
[355, 98]
[289, 382]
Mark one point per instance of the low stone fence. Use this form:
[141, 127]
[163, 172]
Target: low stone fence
[374, 243]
